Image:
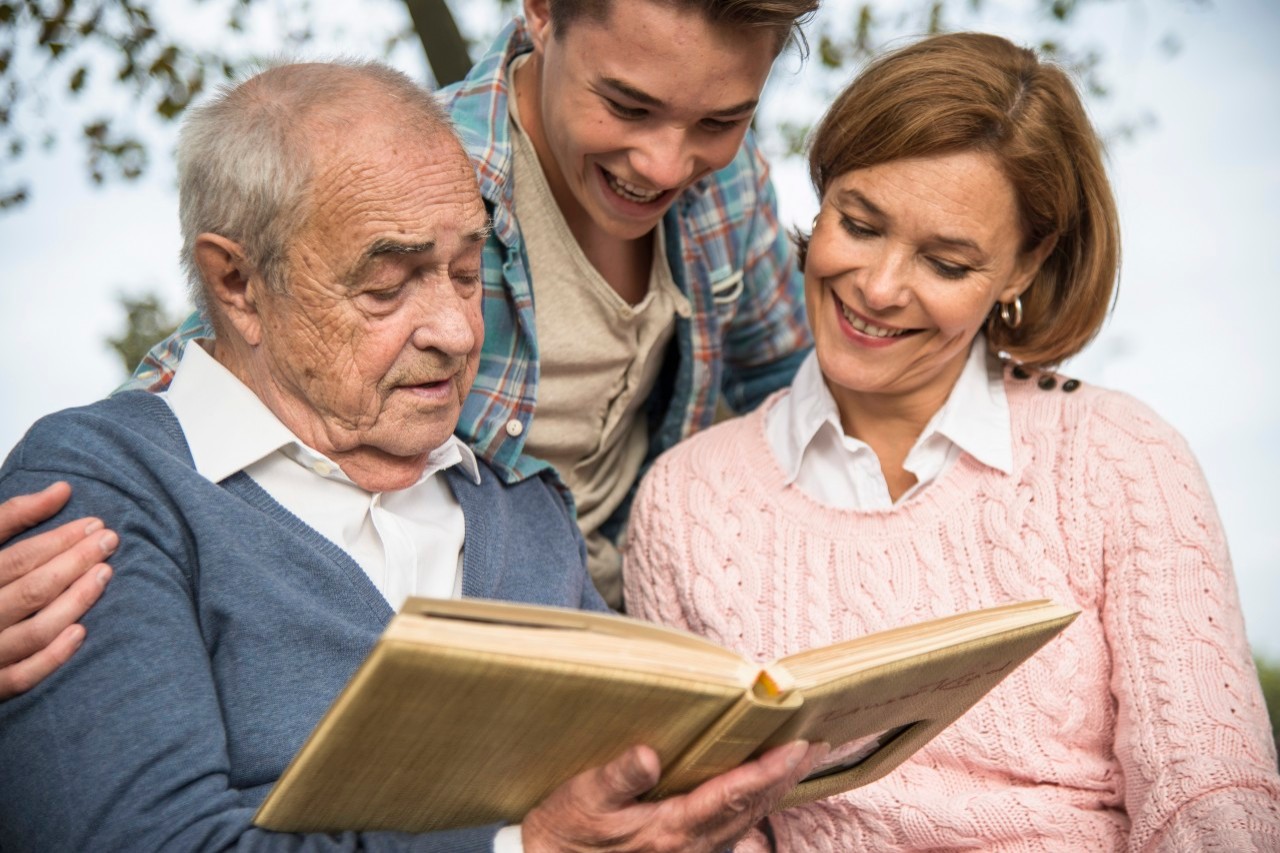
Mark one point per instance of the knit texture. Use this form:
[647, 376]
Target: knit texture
[1142, 727]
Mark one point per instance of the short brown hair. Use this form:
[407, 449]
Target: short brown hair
[784, 16]
[978, 92]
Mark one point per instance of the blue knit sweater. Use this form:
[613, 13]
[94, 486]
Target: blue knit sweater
[228, 629]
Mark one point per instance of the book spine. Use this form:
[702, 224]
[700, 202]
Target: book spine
[729, 742]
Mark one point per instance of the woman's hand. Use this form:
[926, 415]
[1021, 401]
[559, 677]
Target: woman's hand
[47, 582]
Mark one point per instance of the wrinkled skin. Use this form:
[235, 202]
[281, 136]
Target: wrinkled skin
[368, 353]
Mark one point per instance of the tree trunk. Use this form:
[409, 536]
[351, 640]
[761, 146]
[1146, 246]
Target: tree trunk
[446, 49]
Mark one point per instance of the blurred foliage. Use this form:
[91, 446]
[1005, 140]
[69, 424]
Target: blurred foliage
[147, 321]
[54, 52]
[1269, 675]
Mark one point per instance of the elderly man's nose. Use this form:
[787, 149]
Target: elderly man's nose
[445, 325]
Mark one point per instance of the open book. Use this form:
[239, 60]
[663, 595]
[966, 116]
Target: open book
[469, 712]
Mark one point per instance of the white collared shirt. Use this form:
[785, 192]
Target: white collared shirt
[409, 542]
[804, 432]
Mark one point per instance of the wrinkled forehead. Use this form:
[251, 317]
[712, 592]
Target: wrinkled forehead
[374, 187]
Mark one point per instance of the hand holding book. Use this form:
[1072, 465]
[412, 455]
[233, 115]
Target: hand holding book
[601, 807]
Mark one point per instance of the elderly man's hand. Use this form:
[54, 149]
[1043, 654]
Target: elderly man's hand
[598, 809]
[47, 582]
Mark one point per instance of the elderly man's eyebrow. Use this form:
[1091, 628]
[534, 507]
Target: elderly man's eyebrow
[385, 246]
[392, 246]
[642, 97]
[480, 234]
[389, 246]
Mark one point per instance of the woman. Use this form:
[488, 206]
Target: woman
[910, 473]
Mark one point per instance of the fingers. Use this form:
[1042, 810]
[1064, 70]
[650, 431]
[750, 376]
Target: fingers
[36, 571]
[23, 511]
[29, 637]
[626, 777]
[731, 803]
[597, 809]
[22, 676]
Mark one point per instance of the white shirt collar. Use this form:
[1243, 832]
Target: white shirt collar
[228, 428]
[805, 423]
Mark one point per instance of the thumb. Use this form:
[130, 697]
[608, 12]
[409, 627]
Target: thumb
[629, 775]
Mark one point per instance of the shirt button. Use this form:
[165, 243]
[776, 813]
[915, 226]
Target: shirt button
[324, 469]
[514, 427]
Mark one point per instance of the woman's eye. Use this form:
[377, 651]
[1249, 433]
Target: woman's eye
[856, 228]
[946, 270]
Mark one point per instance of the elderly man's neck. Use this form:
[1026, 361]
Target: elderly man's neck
[371, 468]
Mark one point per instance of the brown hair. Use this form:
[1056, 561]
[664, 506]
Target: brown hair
[977, 92]
[784, 16]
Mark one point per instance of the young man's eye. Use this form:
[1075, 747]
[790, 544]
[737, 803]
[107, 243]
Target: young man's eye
[623, 111]
[720, 125]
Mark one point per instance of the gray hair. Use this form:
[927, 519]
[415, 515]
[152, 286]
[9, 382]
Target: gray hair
[244, 158]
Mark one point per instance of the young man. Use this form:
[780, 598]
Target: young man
[633, 210]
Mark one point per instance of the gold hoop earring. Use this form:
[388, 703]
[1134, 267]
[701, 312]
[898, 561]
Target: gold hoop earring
[1016, 320]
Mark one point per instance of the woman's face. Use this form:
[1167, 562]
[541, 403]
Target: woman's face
[906, 260]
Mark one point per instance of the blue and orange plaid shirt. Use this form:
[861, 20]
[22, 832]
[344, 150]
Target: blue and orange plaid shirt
[746, 335]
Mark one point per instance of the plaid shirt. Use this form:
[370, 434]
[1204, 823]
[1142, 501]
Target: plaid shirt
[745, 338]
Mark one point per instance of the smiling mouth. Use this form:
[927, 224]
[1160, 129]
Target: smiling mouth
[870, 329]
[629, 191]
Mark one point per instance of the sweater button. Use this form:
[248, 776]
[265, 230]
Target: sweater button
[514, 428]
[1019, 372]
[1047, 383]
[1070, 385]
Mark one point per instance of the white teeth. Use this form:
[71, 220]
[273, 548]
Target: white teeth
[868, 329]
[631, 192]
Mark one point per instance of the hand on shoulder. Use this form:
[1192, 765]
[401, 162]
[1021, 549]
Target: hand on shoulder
[47, 582]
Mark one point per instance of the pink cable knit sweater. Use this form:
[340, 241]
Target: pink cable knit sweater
[1142, 727]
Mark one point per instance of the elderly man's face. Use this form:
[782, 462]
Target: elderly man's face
[373, 345]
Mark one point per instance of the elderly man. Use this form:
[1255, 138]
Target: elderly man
[294, 484]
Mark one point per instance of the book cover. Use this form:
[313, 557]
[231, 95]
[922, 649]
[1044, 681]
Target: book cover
[469, 712]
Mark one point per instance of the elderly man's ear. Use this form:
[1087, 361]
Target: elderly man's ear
[232, 284]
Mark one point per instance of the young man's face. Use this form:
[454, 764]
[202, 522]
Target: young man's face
[635, 108]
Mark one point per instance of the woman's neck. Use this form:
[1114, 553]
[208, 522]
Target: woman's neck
[890, 425]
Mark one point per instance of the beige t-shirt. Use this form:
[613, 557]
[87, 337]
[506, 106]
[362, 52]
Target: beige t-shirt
[599, 358]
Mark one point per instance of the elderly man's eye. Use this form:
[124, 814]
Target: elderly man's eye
[386, 294]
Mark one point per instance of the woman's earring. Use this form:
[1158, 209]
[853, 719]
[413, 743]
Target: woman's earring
[1015, 320]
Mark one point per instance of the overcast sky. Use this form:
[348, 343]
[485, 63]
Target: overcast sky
[1192, 334]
